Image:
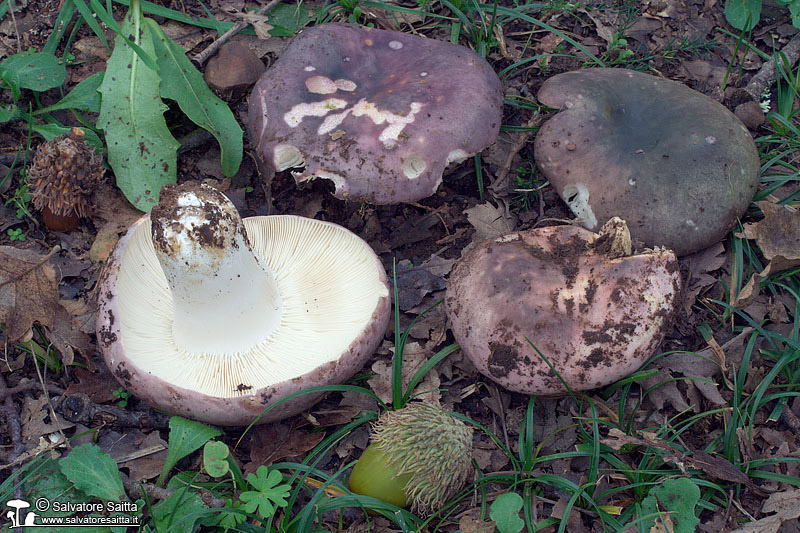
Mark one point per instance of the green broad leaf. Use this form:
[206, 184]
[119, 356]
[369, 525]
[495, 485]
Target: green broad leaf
[83, 97]
[185, 437]
[181, 82]
[180, 511]
[505, 513]
[269, 493]
[33, 70]
[288, 19]
[8, 113]
[141, 150]
[50, 131]
[215, 454]
[94, 472]
[743, 14]
[674, 502]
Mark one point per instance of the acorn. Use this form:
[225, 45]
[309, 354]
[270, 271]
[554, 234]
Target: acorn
[64, 173]
[419, 455]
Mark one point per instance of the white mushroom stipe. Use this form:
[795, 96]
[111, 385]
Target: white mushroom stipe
[577, 197]
[224, 297]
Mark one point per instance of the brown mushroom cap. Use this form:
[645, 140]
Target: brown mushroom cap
[676, 165]
[594, 314]
[283, 304]
[379, 113]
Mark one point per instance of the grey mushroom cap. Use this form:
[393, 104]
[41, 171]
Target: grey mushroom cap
[379, 113]
[676, 165]
[332, 310]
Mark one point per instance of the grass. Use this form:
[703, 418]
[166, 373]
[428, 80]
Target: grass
[615, 480]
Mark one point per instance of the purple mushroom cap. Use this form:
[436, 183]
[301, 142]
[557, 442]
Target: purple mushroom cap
[676, 165]
[379, 113]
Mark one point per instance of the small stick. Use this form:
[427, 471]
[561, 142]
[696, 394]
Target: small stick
[500, 184]
[29, 386]
[141, 490]
[79, 408]
[203, 56]
[766, 74]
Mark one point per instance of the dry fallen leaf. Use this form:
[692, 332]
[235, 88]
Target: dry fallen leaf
[702, 369]
[28, 291]
[414, 356]
[490, 221]
[273, 442]
[785, 505]
[37, 419]
[778, 237]
[700, 264]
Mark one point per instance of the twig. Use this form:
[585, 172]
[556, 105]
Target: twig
[766, 74]
[500, 183]
[141, 490]
[14, 21]
[79, 408]
[791, 420]
[29, 386]
[203, 56]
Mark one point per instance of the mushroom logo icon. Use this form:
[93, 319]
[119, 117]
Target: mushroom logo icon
[14, 515]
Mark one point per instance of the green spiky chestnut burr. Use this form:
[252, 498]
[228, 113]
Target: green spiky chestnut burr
[419, 455]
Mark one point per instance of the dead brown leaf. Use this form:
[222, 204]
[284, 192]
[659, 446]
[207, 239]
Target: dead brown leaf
[785, 505]
[490, 221]
[713, 466]
[28, 291]
[469, 524]
[37, 419]
[414, 356]
[143, 455]
[272, 442]
[700, 265]
[703, 370]
[778, 237]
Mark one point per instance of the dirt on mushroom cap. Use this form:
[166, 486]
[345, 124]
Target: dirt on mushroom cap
[594, 317]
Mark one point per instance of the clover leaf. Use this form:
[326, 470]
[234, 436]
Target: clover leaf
[268, 494]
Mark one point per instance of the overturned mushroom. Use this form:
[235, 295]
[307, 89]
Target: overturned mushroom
[676, 165]
[214, 319]
[592, 309]
[379, 113]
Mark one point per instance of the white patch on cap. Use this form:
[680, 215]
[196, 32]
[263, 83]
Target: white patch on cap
[457, 156]
[310, 68]
[332, 122]
[413, 166]
[577, 197]
[325, 85]
[321, 85]
[395, 45]
[285, 156]
[396, 123]
[423, 74]
[296, 114]
[337, 179]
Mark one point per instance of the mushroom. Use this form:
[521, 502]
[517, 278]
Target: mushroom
[64, 173]
[588, 305]
[379, 113]
[676, 165]
[213, 318]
